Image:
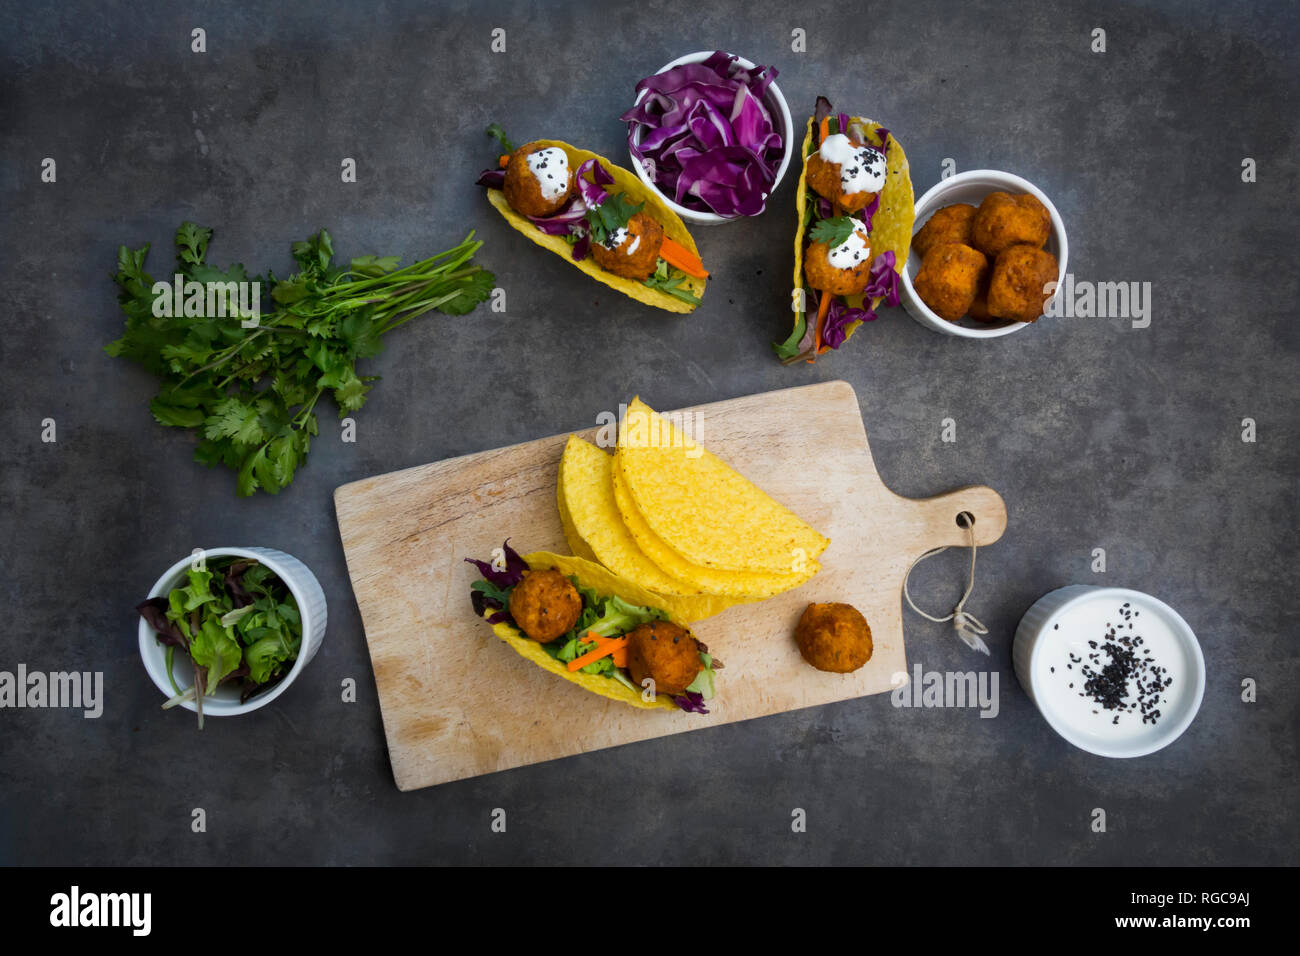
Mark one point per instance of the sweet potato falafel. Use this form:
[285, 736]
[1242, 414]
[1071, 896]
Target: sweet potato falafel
[834, 637]
[949, 224]
[1016, 289]
[545, 605]
[1009, 219]
[949, 279]
[631, 252]
[538, 180]
[846, 172]
[665, 652]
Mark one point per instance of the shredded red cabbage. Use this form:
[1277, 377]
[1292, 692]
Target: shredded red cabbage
[513, 573]
[691, 702]
[707, 138]
[882, 284]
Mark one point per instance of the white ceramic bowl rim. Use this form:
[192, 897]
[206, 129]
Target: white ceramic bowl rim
[1173, 730]
[773, 93]
[998, 180]
[153, 654]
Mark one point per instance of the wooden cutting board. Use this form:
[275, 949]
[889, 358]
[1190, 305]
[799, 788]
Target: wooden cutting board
[457, 702]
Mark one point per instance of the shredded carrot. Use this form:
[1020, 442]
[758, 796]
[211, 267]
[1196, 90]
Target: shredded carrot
[823, 309]
[682, 258]
[503, 160]
[604, 646]
[824, 130]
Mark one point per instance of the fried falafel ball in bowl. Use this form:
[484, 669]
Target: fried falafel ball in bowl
[1010, 219]
[846, 172]
[665, 652]
[949, 279]
[844, 270]
[632, 251]
[545, 605]
[834, 637]
[538, 180]
[1018, 287]
[950, 224]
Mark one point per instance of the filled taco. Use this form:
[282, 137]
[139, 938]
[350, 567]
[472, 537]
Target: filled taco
[578, 620]
[600, 217]
[855, 209]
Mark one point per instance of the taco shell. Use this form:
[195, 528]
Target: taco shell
[625, 181]
[601, 581]
[586, 478]
[700, 507]
[891, 226]
[744, 585]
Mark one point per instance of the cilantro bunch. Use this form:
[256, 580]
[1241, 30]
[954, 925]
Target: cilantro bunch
[250, 393]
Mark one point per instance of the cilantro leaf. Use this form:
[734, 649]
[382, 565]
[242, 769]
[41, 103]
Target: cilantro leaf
[496, 132]
[833, 232]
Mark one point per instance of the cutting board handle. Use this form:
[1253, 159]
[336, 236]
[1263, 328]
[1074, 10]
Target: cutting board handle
[935, 519]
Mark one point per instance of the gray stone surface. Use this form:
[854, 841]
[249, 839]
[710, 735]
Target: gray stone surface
[1096, 434]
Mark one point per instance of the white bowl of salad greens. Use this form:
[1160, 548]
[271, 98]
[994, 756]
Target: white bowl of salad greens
[226, 630]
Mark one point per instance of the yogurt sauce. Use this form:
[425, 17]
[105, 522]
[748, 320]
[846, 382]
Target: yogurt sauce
[616, 238]
[853, 251]
[1111, 669]
[862, 168]
[551, 168]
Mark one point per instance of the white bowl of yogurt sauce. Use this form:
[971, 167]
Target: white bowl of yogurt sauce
[1114, 671]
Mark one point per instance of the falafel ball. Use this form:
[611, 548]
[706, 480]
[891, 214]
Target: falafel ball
[825, 180]
[834, 637]
[1009, 219]
[844, 270]
[949, 224]
[545, 605]
[949, 278]
[665, 652]
[1016, 290]
[979, 308]
[633, 251]
[538, 180]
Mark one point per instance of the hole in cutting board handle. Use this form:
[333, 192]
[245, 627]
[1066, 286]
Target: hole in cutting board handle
[965, 519]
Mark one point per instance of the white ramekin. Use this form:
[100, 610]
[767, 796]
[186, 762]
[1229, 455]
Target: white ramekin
[306, 591]
[780, 110]
[971, 187]
[1049, 610]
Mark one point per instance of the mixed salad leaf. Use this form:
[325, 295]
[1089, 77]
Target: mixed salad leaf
[249, 391]
[236, 620]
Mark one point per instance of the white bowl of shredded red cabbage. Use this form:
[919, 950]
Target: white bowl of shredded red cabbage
[712, 135]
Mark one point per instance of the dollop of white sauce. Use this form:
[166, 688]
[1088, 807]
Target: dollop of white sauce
[632, 247]
[853, 251]
[615, 238]
[551, 168]
[862, 168]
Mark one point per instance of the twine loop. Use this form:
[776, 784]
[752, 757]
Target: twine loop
[969, 628]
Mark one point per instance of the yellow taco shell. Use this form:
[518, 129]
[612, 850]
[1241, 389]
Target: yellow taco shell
[625, 181]
[586, 477]
[702, 508]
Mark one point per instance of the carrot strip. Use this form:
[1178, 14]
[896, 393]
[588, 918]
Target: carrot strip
[682, 258]
[604, 646]
[503, 160]
[823, 309]
[824, 130]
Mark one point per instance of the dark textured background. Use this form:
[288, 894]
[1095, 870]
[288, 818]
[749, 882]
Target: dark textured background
[1096, 434]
